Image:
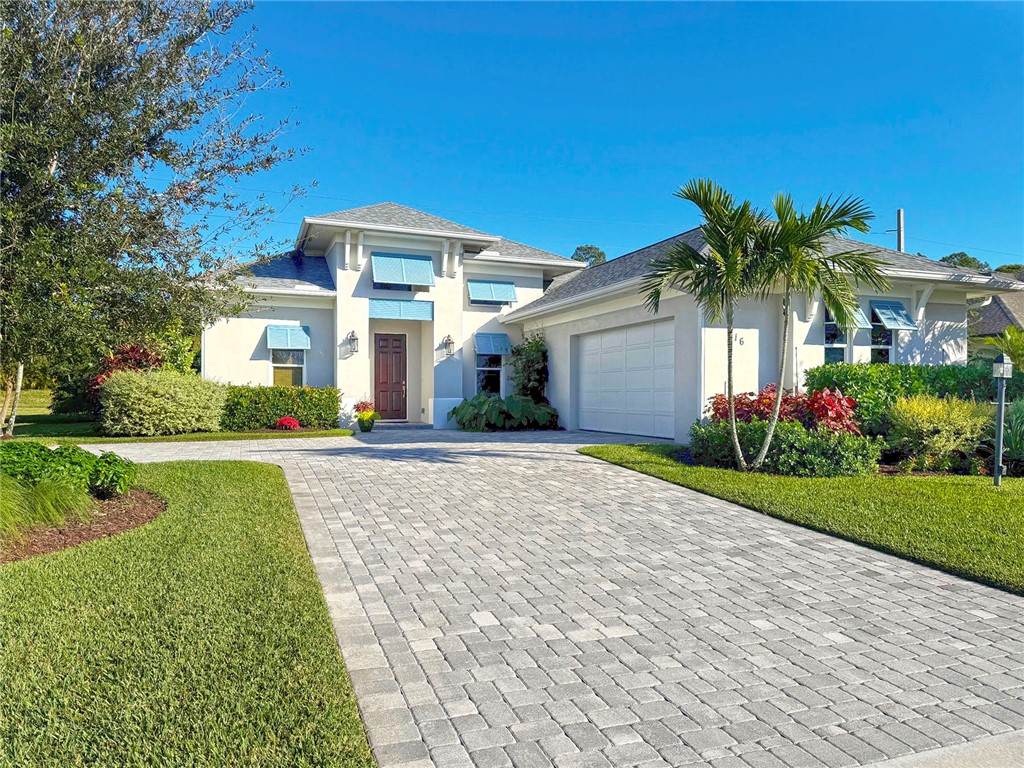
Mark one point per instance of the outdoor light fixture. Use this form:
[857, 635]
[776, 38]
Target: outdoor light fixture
[449, 345]
[353, 342]
[1002, 369]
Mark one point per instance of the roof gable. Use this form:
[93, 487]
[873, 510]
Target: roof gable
[395, 215]
[287, 272]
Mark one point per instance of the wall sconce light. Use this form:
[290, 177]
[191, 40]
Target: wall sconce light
[353, 342]
[449, 346]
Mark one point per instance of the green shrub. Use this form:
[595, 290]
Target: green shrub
[877, 387]
[485, 413]
[1013, 439]
[529, 364]
[260, 407]
[159, 401]
[50, 501]
[26, 462]
[795, 450]
[32, 463]
[944, 430]
[112, 475]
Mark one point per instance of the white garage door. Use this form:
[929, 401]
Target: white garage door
[627, 378]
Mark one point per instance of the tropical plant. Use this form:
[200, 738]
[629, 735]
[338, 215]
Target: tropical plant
[1011, 344]
[529, 364]
[717, 276]
[488, 413]
[827, 409]
[792, 254]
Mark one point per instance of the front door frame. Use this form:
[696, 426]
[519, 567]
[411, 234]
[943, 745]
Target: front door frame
[405, 376]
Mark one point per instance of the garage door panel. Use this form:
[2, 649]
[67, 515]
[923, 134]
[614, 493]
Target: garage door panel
[626, 379]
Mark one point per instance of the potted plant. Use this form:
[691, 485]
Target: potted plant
[366, 415]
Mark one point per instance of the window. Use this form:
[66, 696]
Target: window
[391, 287]
[835, 340]
[881, 340]
[288, 367]
[488, 374]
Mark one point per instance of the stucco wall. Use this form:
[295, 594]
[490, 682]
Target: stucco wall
[235, 349]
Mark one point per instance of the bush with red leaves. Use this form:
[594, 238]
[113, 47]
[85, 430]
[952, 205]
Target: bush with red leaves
[129, 357]
[364, 406]
[287, 422]
[829, 409]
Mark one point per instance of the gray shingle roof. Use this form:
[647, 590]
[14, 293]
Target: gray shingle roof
[637, 264]
[513, 250]
[1001, 312]
[395, 215]
[287, 271]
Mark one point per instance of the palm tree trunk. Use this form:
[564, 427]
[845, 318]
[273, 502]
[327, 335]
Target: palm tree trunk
[8, 391]
[774, 420]
[741, 463]
[9, 431]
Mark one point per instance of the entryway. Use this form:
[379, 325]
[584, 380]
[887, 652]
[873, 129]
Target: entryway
[390, 375]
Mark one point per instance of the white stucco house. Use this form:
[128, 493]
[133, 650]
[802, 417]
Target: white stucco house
[415, 312]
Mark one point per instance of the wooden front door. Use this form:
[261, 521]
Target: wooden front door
[389, 375]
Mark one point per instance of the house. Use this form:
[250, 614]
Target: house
[415, 312]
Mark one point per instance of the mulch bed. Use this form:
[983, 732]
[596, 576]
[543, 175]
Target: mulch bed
[111, 517]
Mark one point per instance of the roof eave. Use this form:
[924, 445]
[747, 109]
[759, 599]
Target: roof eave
[569, 264]
[480, 238]
[607, 291]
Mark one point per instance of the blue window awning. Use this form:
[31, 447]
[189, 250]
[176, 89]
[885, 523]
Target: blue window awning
[492, 344]
[491, 292]
[893, 315]
[287, 337]
[860, 320]
[399, 309]
[402, 269]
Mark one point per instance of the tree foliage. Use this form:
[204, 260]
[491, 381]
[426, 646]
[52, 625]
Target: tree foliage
[124, 132]
[963, 259]
[589, 255]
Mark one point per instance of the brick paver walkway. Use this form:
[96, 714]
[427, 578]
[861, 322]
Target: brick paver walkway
[502, 600]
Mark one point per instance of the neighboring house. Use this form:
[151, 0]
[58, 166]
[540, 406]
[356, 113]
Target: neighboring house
[991, 317]
[416, 312]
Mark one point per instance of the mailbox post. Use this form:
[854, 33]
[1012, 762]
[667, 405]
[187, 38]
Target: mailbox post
[1002, 369]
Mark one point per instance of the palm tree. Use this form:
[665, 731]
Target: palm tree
[717, 276]
[790, 253]
[1011, 344]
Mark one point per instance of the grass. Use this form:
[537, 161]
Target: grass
[199, 639]
[962, 525]
[35, 422]
[48, 502]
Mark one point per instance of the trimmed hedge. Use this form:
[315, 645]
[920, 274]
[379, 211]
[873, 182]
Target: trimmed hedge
[262, 407]
[795, 450]
[877, 387]
[939, 432]
[159, 401]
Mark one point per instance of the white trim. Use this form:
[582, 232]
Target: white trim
[500, 369]
[845, 346]
[270, 361]
[348, 249]
[701, 389]
[926, 294]
[570, 263]
[893, 338]
[522, 314]
[401, 230]
[291, 292]
[359, 252]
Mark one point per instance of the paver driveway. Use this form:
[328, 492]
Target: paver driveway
[502, 600]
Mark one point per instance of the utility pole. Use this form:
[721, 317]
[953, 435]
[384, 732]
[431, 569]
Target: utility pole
[899, 230]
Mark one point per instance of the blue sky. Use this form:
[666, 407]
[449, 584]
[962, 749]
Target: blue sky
[558, 125]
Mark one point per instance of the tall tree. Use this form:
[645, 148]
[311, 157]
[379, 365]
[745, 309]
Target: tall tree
[717, 276]
[589, 255]
[793, 256]
[962, 259]
[124, 132]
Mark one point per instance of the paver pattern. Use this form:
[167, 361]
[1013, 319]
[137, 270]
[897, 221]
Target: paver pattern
[501, 600]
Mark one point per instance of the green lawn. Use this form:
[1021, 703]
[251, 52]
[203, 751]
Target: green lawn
[35, 422]
[199, 639]
[962, 525]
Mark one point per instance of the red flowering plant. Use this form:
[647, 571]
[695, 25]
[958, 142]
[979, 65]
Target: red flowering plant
[364, 406]
[287, 422]
[829, 409]
[128, 357]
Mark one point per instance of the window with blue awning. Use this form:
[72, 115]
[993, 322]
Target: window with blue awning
[491, 291]
[492, 344]
[402, 269]
[398, 309]
[893, 315]
[288, 337]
